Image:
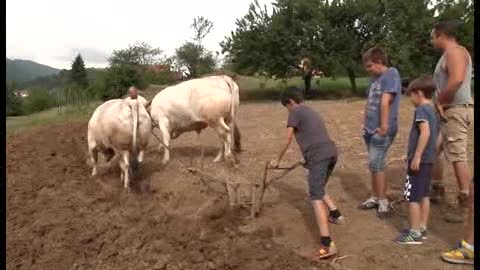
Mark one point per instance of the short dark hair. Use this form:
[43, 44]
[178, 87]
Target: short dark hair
[376, 55]
[447, 28]
[424, 84]
[293, 93]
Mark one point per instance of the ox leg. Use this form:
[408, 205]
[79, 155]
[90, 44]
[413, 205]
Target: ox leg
[94, 159]
[222, 131]
[125, 167]
[166, 140]
[141, 156]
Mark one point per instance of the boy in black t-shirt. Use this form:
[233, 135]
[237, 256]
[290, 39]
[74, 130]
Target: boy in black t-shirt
[320, 155]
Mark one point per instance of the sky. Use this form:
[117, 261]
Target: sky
[52, 32]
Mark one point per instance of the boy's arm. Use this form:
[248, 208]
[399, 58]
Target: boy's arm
[385, 103]
[421, 144]
[290, 134]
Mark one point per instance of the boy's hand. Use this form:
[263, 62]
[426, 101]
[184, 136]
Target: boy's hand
[415, 166]
[274, 164]
[382, 131]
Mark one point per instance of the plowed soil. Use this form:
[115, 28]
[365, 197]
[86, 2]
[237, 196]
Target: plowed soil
[59, 217]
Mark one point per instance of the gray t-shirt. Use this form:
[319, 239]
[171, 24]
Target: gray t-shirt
[423, 113]
[388, 82]
[311, 134]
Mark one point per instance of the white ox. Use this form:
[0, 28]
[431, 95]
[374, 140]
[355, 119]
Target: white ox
[119, 127]
[195, 105]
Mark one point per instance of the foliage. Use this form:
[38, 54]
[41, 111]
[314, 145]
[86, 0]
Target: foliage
[334, 34]
[117, 80]
[196, 59]
[38, 100]
[201, 26]
[13, 103]
[78, 74]
[140, 53]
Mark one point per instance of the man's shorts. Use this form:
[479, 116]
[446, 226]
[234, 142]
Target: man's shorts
[454, 131]
[377, 147]
[417, 184]
[318, 174]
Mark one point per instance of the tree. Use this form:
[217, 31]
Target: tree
[78, 74]
[202, 28]
[461, 11]
[13, 103]
[140, 53]
[196, 59]
[117, 80]
[193, 55]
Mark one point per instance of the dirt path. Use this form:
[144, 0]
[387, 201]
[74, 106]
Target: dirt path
[60, 218]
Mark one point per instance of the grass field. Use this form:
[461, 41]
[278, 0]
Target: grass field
[251, 89]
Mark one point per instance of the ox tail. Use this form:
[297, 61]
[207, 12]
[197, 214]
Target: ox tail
[133, 157]
[234, 131]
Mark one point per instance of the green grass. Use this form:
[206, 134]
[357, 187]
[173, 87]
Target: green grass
[52, 116]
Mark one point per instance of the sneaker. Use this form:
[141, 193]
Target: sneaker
[339, 221]
[424, 233]
[460, 255]
[370, 203]
[384, 211]
[324, 252]
[408, 238]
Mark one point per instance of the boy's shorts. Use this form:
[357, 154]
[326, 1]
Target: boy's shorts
[318, 174]
[377, 147]
[417, 184]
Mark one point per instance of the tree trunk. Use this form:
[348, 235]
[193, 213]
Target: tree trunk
[351, 76]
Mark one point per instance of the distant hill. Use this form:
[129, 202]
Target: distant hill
[25, 70]
[59, 79]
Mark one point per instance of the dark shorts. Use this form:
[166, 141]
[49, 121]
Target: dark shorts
[417, 184]
[318, 174]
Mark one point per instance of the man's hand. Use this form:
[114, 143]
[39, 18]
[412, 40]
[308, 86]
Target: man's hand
[440, 111]
[382, 131]
[415, 166]
[274, 164]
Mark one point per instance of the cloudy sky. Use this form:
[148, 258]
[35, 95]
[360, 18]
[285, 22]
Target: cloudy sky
[52, 32]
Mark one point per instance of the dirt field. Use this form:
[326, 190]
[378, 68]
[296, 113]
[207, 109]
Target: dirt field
[58, 217]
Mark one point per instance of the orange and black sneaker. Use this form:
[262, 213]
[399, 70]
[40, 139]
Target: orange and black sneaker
[324, 252]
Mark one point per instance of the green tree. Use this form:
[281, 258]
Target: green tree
[13, 103]
[407, 42]
[78, 74]
[140, 53]
[196, 59]
[461, 11]
[202, 27]
[117, 80]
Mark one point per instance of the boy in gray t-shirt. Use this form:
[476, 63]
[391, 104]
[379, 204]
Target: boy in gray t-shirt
[420, 158]
[320, 155]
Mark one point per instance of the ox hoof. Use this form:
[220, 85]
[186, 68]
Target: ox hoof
[218, 159]
[94, 172]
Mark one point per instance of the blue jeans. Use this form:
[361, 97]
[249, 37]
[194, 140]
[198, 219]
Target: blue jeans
[377, 147]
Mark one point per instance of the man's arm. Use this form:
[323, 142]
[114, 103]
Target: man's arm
[385, 105]
[456, 68]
